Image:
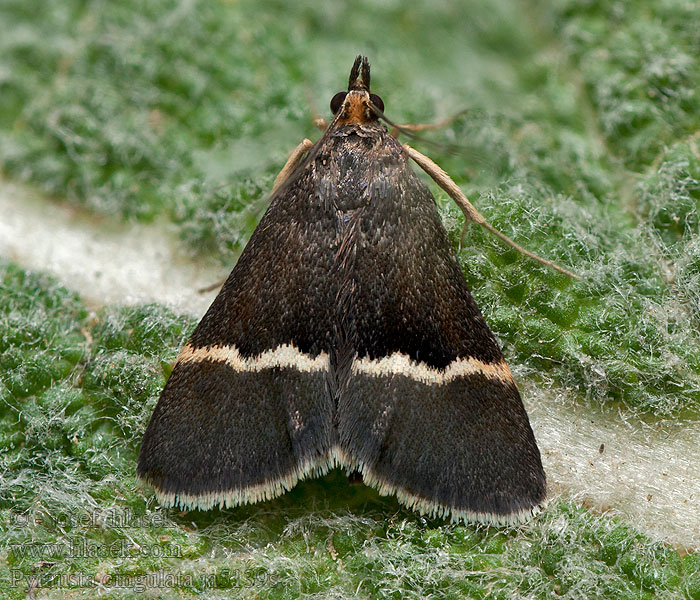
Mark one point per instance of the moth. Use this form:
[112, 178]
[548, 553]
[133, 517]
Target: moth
[346, 336]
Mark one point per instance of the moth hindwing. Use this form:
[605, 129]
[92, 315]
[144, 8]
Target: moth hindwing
[346, 336]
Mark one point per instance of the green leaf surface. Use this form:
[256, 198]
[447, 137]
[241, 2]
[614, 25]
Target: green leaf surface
[579, 141]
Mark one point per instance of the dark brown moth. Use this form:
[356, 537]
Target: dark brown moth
[346, 336]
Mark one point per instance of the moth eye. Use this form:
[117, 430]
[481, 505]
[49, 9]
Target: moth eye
[337, 101]
[377, 101]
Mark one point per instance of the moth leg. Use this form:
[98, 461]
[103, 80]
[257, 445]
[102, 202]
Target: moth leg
[211, 287]
[415, 127]
[294, 158]
[464, 234]
[470, 213]
[316, 118]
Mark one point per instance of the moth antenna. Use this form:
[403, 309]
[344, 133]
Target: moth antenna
[532, 255]
[413, 127]
[470, 213]
[400, 128]
[409, 131]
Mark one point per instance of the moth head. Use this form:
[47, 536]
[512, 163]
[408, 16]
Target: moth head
[358, 104]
